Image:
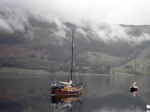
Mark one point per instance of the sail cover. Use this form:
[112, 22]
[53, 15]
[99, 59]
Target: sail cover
[66, 83]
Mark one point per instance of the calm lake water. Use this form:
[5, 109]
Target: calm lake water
[102, 93]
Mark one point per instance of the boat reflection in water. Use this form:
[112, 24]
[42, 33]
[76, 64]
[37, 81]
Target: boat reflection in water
[66, 101]
[134, 91]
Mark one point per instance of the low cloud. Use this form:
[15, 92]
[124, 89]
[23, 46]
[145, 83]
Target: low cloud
[4, 26]
[111, 33]
[12, 20]
[39, 23]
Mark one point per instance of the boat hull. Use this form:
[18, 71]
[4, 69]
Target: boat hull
[66, 93]
[132, 89]
[70, 91]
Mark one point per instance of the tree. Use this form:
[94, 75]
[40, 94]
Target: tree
[128, 66]
[108, 68]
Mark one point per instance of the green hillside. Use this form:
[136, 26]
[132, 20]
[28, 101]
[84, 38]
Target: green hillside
[38, 43]
[142, 67]
[9, 70]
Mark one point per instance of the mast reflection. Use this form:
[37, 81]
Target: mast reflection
[71, 103]
[134, 92]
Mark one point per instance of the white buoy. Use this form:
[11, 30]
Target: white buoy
[148, 106]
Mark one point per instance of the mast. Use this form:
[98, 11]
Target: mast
[72, 54]
[135, 71]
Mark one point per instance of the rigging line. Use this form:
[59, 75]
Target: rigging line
[74, 78]
[78, 68]
[69, 76]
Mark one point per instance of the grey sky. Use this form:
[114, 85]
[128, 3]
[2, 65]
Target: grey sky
[136, 12]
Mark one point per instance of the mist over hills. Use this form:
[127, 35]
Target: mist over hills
[96, 46]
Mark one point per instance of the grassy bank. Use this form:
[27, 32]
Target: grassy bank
[8, 70]
[142, 67]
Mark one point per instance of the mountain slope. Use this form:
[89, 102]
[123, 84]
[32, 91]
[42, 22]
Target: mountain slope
[39, 41]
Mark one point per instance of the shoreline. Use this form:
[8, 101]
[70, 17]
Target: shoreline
[19, 71]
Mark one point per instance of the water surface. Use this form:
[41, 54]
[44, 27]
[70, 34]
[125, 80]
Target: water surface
[102, 93]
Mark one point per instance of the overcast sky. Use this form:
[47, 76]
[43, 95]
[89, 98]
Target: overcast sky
[135, 12]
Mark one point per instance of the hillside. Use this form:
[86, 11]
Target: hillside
[18, 51]
[142, 64]
[33, 41]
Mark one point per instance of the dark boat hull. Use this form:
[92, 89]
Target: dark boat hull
[66, 93]
[132, 89]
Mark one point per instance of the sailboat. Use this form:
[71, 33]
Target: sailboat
[134, 88]
[70, 87]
